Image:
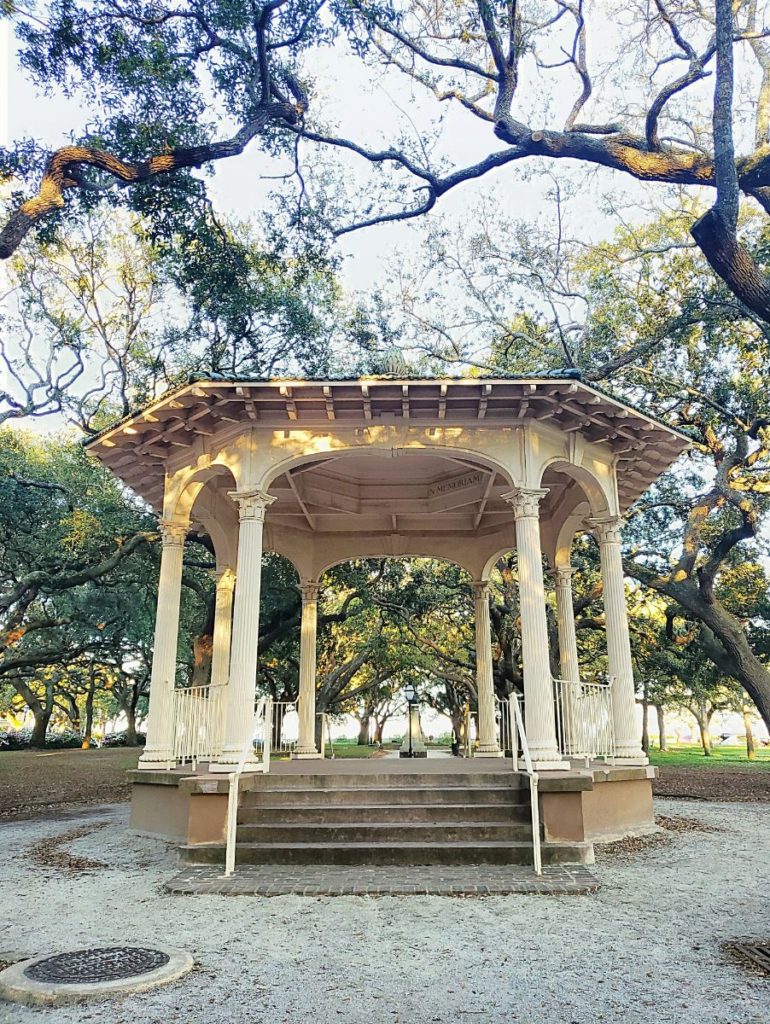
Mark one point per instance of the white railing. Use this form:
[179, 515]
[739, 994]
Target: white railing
[503, 725]
[258, 740]
[584, 721]
[198, 723]
[326, 736]
[285, 732]
[519, 736]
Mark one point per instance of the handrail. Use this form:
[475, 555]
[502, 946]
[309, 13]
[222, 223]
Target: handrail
[264, 716]
[517, 732]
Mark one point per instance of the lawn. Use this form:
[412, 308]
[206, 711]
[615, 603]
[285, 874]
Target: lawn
[35, 781]
[692, 756]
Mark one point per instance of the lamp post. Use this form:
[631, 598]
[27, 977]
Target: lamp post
[415, 750]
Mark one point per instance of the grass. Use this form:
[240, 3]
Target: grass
[32, 781]
[725, 757]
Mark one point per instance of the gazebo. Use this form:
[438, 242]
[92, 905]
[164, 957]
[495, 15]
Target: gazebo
[322, 471]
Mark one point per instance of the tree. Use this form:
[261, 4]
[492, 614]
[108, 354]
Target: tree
[160, 83]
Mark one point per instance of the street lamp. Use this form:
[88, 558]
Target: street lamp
[411, 699]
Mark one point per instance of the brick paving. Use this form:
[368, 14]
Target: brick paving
[332, 880]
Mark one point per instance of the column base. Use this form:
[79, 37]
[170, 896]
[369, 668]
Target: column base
[550, 766]
[227, 768]
[489, 752]
[639, 761]
[306, 755]
[155, 762]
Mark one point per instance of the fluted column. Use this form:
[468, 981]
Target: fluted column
[628, 747]
[540, 718]
[306, 748]
[252, 506]
[159, 750]
[569, 666]
[223, 627]
[485, 685]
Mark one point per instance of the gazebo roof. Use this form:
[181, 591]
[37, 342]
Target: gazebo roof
[136, 448]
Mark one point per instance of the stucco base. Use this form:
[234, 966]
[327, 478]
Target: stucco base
[181, 808]
[597, 805]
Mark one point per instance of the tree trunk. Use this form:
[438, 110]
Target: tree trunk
[750, 748]
[363, 730]
[662, 741]
[131, 737]
[87, 732]
[704, 722]
[42, 717]
[645, 720]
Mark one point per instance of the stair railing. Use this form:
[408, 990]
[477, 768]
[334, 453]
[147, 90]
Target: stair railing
[262, 723]
[518, 734]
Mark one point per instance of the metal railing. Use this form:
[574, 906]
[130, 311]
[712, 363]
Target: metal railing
[584, 720]
[327, 744]
[285, 726]
[259, 739]
[198, 723]
[516, 726]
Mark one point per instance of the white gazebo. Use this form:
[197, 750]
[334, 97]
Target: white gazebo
[322, 471]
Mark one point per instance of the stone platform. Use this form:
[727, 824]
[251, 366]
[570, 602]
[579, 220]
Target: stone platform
[389, 812]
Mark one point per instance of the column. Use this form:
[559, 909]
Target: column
[159, 750]
[569, 666]
[306, 748]
[540, 718]
[628, 749]
[252, 506]
[223, 626]
[485, 685]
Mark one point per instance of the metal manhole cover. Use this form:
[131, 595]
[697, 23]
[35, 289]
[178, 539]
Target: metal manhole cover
[751, 953]
[91, 966]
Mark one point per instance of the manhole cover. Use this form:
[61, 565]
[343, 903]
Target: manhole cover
[91, 974]
[751, 953]
[90, 966]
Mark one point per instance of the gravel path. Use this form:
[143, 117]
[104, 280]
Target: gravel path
[646, 948]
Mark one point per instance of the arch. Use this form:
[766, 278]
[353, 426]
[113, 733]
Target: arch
[182, 494]
[384, 451]
[598, 493]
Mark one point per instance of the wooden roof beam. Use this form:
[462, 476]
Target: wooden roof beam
[288, 396]
[442, 402]
[367, 399]
[329, 400]
[486, 391]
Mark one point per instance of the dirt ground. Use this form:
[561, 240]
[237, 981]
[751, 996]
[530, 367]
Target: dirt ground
[35, 781]
[736, 785]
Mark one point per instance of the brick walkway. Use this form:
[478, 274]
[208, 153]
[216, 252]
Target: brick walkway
[330, 880]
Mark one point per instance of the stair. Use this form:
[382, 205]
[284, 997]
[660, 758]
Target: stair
[386, 819]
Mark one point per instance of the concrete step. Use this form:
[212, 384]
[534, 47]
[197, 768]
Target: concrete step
[328, 814]
[385, 833]
[371, 795]
[381, 780]
[392, 853]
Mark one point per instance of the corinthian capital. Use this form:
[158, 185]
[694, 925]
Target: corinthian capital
[525, 501]
[608, 529]
[481, 589]
[563, 574]
[309, 591]
[173, 533]
[252, 504]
